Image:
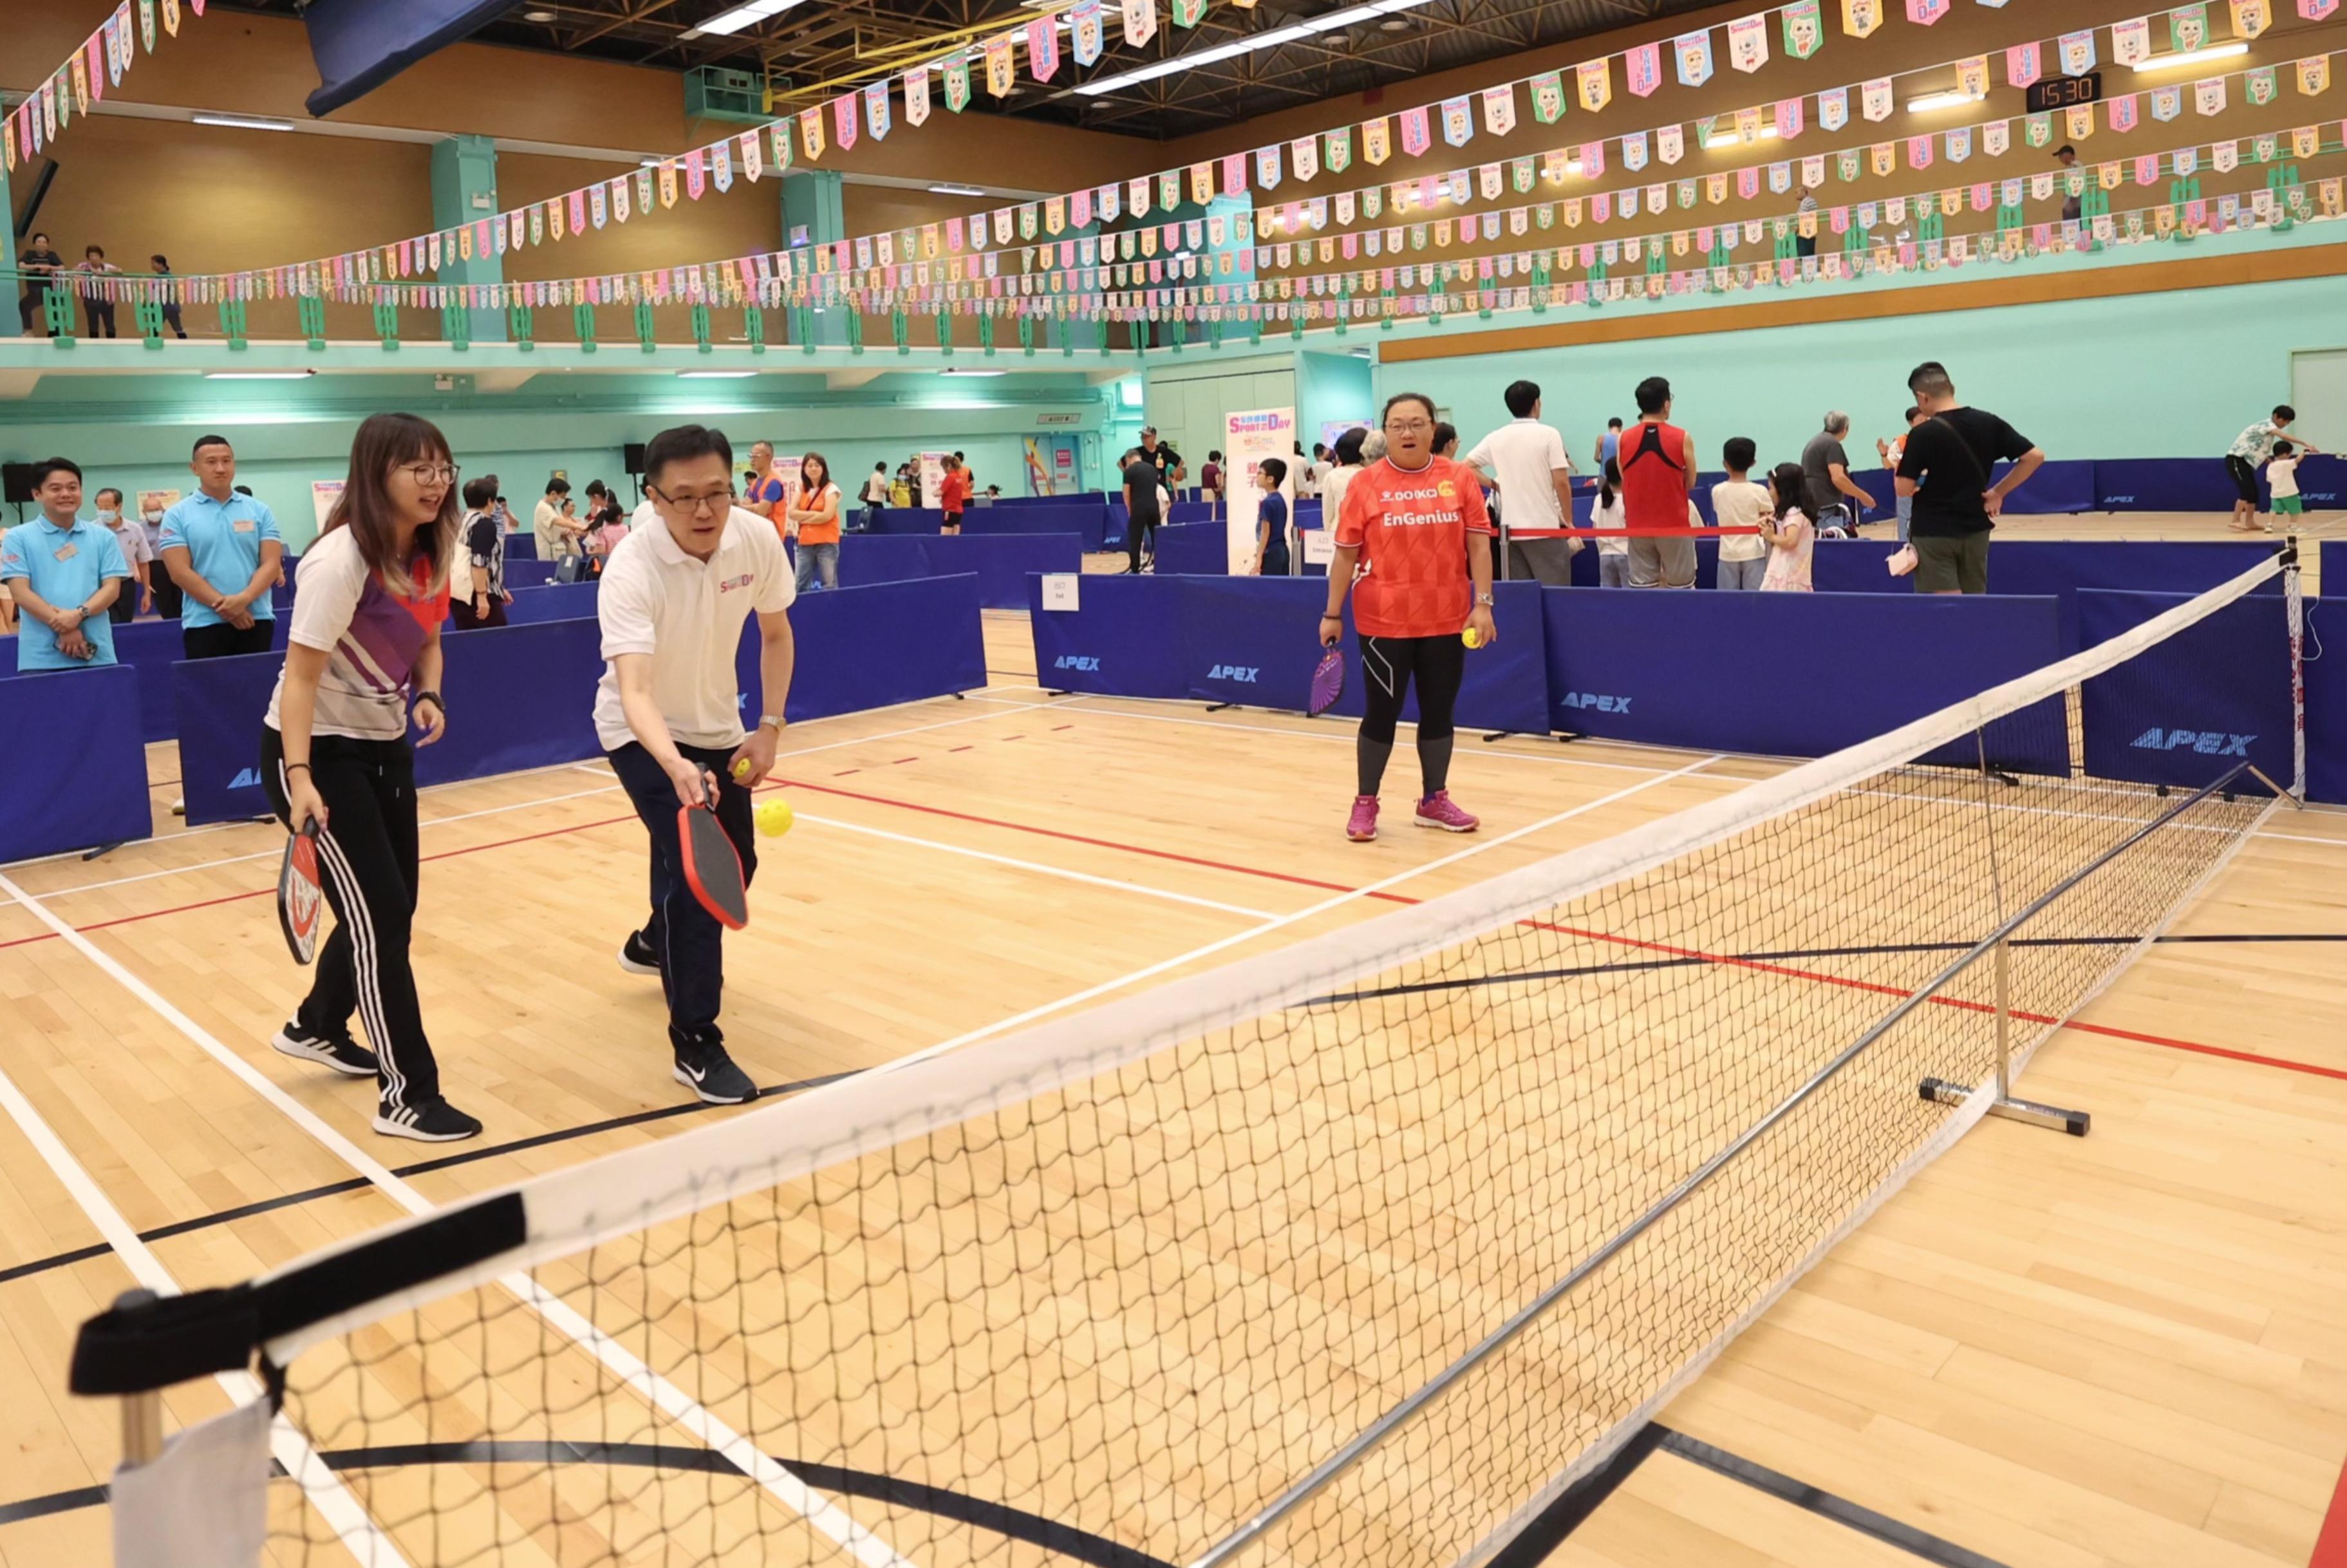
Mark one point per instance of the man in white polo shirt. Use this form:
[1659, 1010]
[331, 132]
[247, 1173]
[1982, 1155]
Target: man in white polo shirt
[1528, 460]
[669, 713]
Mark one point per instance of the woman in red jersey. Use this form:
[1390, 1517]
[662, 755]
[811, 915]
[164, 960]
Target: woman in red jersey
[1414, 545]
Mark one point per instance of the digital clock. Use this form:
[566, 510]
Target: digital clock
[2065, 92]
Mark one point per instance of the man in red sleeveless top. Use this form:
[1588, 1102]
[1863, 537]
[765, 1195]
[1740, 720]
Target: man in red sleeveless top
[1657, 462]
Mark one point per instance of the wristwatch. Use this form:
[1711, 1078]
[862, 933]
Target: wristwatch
[774, 719]
[1482, 599]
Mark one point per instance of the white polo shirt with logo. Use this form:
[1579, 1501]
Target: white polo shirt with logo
[687, 615]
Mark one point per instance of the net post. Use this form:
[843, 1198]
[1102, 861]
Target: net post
[2294, 615]
[2004, 1020]
[142, 1410]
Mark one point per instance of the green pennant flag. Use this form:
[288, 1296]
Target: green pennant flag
[1186, 12]
[957, 84]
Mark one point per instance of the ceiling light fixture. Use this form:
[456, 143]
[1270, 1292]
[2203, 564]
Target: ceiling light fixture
[2193, 56]
[1950, 99]
[1248, 45]
[714, 375]
[957, 370]
[950, 188]
[1732, 138]
[538, 16]
[651, 161]
[739, 17]
[241, 122]
[259, 374]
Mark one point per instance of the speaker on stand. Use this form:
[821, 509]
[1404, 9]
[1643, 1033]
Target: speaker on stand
[632, 458]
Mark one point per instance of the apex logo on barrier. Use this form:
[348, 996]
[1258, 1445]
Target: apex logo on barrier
[1243, 673]
[1603, 704]
[249, 778]
[2208, 742]
[1077, 662]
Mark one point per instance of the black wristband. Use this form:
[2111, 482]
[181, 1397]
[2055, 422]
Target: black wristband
[433, 698]
[303, 766]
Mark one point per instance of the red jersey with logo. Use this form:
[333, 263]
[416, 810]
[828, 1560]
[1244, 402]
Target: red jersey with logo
[953, 491]
[1654, 459]
[1411, 527]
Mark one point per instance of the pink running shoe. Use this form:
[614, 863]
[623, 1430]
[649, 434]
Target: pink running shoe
[1439, 810]
[1362, 826]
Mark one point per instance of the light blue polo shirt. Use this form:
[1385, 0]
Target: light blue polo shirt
[65, 567]
[223, 539]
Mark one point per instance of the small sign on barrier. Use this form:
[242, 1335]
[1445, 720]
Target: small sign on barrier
[1059, 589]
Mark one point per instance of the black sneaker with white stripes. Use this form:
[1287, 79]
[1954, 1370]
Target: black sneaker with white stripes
[431, 1121]
[636, 955]
[703, 1065]
[339, 1053]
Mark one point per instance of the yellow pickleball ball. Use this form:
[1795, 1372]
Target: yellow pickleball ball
[741, 769]
[774, 818]
[1471, 638]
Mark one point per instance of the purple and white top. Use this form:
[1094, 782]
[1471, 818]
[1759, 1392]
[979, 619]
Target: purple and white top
[371, 635]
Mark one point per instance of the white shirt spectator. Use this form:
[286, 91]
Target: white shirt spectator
[1740, 504]
[1605, 515]
[1522, 456]
[689, 615]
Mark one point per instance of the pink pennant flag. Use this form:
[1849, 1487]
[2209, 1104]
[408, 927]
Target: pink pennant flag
[2317, 10]
[1644, 66]
[1415, 135]
[2022, 64]
[1043, 48]
[1234, 174]
[843, 121]
[97, 68]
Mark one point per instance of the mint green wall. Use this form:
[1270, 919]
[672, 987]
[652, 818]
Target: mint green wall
[1331, 386]
[134, 431]
[1191, 394]
[2148, 375]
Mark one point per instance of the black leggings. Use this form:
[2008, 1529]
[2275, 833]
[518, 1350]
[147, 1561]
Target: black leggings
[368, 857]
[1389, 664]
[1136, 531]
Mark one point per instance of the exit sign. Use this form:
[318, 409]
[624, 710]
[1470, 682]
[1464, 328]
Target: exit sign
[1059, 418]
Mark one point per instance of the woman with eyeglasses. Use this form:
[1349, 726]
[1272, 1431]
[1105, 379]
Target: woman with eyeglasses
[1414, 547]
[362, 663]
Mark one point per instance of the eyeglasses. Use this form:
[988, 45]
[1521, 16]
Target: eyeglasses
[427, 474]
[1409, 427]
[697, 505]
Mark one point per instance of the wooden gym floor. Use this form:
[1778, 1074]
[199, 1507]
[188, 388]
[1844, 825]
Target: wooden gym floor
[2128, 1348]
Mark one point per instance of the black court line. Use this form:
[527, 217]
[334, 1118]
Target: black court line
[1636, 966]
[1013, 1523]
[1556, 1523]
[446, 1162]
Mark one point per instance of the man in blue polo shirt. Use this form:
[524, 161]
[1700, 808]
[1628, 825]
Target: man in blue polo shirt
[224, 550]
[64, 573]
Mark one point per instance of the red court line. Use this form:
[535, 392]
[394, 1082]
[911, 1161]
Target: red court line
[2331, 1546]
[2107, 1031]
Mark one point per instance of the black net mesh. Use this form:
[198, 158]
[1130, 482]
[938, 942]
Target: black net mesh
[1114, 1321]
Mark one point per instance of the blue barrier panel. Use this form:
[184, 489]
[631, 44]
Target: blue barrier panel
[528, 572]
[2331, 564]
[2189, 707]
[1087, 518]
[151, 648]
[528, 699]
[219, 704]
[2060, 484]
[1199, 548]
[554, 602]
[871, 647]
[78, 776]
[1001, 562]
[2162, 484]
[1191, 512]
[1118, 642]
[1250, 641]
[1738, 671]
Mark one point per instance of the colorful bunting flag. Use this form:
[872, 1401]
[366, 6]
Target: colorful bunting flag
[1594, 79]
[1747, 43]
[1140, 22]
[1859, 18]
[957, 84]
[1643, 67]
[1001, 66]
[1548, 97]
[1692, 52]
[1833, 107]
[1084, 22]
[1804, 30]
[916, 95]
[1874, 100]
[1925, 11]
[1499, 110]
[1043, 47]
[810, 132]
[2188, 26]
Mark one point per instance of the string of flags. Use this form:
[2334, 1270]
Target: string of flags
[1109, 283]
[839, 123]
[84, 75]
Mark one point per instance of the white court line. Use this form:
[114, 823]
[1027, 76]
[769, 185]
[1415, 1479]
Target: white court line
[1277, 921]
[334, 1503]
[1037, 866]
[820, 1511]
[2301, 838]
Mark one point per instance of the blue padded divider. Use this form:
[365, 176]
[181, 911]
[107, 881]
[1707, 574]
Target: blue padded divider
[78, 776]
[1199, 548]
[552, 601]
[151, 648]
[1001, 562]
[874, 646]
[2189, 708]
[1740, 671]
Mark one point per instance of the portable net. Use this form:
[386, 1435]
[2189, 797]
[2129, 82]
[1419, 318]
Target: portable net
[1357, 1251]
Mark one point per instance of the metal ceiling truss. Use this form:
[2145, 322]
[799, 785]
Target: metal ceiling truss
[823, 46]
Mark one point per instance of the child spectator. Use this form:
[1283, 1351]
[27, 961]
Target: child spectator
[2281, 475]
[1613, 555]
[1738, 503]
[1271, 521]
[1792, 538]
[1891, 451]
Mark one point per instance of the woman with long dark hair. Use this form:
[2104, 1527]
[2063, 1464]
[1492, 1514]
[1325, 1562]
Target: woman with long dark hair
[362, 659]
[814, 515]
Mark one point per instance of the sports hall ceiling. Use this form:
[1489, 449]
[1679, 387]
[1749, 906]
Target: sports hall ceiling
[832, 42]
